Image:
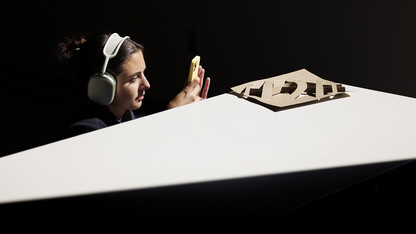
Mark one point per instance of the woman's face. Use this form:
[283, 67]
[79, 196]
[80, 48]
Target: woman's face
[131, 83]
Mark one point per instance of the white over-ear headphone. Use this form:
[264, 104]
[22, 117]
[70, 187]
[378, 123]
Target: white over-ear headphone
[102, 86]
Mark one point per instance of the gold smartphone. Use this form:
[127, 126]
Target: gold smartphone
[193, 70]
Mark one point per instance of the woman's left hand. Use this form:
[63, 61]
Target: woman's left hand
[192, 92]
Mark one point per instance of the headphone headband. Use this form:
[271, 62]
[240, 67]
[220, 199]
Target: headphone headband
[111, 48]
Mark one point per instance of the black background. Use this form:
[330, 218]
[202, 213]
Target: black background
[369, 44]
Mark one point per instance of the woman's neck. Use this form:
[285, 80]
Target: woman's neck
[117, 112]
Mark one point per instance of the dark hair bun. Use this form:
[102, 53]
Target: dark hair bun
[69, 47]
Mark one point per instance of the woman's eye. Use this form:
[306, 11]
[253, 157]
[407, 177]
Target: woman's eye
[134, 79]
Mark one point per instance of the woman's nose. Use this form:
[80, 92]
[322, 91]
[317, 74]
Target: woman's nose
[145, 84]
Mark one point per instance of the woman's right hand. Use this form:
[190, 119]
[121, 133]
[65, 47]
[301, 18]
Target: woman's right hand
[192, 92]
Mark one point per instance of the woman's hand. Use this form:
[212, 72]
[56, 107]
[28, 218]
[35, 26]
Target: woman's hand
[192, 92]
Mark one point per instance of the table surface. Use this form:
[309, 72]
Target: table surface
[223, 137]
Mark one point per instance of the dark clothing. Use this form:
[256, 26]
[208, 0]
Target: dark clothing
[104, 118]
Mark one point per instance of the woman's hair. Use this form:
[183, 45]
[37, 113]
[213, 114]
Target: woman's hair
[83, 55]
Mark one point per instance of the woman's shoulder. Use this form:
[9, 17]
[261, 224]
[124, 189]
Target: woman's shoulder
[84, 126]
[104, 119]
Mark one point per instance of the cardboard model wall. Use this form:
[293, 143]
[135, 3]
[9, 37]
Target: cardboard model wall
[290, 89]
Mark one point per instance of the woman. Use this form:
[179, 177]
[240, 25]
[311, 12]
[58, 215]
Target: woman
[85, 57]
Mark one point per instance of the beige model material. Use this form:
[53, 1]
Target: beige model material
[290, 89]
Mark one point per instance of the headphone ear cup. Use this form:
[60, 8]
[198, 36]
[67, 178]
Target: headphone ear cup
[102, 88]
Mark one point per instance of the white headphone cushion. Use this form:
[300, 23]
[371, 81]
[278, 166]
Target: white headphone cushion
[102, 88]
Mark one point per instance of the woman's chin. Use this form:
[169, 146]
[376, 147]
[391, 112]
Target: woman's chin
[137, 104]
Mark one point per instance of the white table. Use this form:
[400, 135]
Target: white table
[224, 138]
